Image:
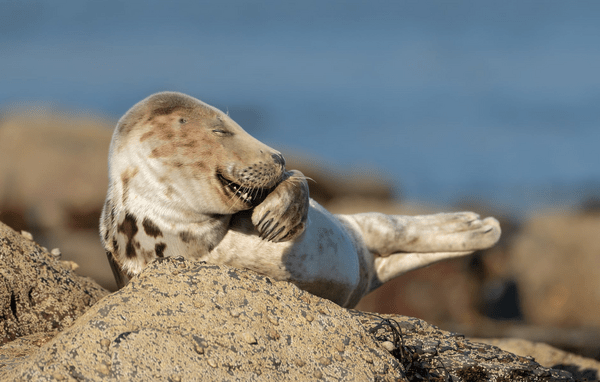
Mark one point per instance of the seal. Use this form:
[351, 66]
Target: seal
[186, 180]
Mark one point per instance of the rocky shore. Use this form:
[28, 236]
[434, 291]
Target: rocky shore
[180, 320]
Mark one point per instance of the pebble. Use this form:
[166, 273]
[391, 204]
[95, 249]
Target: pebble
[388, 345]
[318, 374]
[27, 235]
[249, 338]
[105, 343]
[68, 264]
[339, 346]
[324, 361]
[56, 252]
[103, 369]
[211, 362]
[274, 334]
[199, 349]
[309, 317]
[272, 319]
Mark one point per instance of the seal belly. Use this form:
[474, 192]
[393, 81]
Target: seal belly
[322, 260]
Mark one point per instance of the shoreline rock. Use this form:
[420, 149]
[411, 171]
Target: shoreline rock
[181, 320]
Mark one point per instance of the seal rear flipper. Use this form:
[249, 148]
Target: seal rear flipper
[397, 264]
[120, 276]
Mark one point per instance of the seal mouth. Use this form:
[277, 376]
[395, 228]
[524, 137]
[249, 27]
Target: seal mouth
[249, 196]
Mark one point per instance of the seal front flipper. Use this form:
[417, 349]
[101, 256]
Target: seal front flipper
[282, 215]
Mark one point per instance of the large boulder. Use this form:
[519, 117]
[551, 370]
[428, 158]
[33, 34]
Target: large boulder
[182, 320]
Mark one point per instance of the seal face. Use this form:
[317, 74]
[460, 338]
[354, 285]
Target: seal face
[179, 169]
[186, 180]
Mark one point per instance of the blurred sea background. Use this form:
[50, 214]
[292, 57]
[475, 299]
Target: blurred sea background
[494, 102]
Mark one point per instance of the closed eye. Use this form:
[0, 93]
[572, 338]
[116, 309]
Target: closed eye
[219, 129]
[221, 132]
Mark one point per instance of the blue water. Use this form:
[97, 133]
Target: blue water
[491, 101]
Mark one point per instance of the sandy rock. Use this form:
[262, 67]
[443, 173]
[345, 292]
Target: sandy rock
[181, 320]
[38, 294]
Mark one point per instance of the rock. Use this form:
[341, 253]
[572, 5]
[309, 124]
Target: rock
[584, 341]
[556, 264]
[37, 294]
[53, 166]
[428, 353]
[548, 356]
[53, 181]
[184, 320]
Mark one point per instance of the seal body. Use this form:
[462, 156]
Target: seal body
[186, 180]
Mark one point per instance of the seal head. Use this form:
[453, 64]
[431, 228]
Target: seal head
[179, 165]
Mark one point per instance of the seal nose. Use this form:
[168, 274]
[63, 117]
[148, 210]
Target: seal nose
[279, 159]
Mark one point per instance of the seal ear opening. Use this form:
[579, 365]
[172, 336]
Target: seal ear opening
[120, 277]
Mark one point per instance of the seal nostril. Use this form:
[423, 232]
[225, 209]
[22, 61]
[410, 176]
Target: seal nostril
[279, 159]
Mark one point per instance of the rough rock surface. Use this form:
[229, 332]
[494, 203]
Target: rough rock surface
[548, 356]
[181, 320]
[37, 292]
